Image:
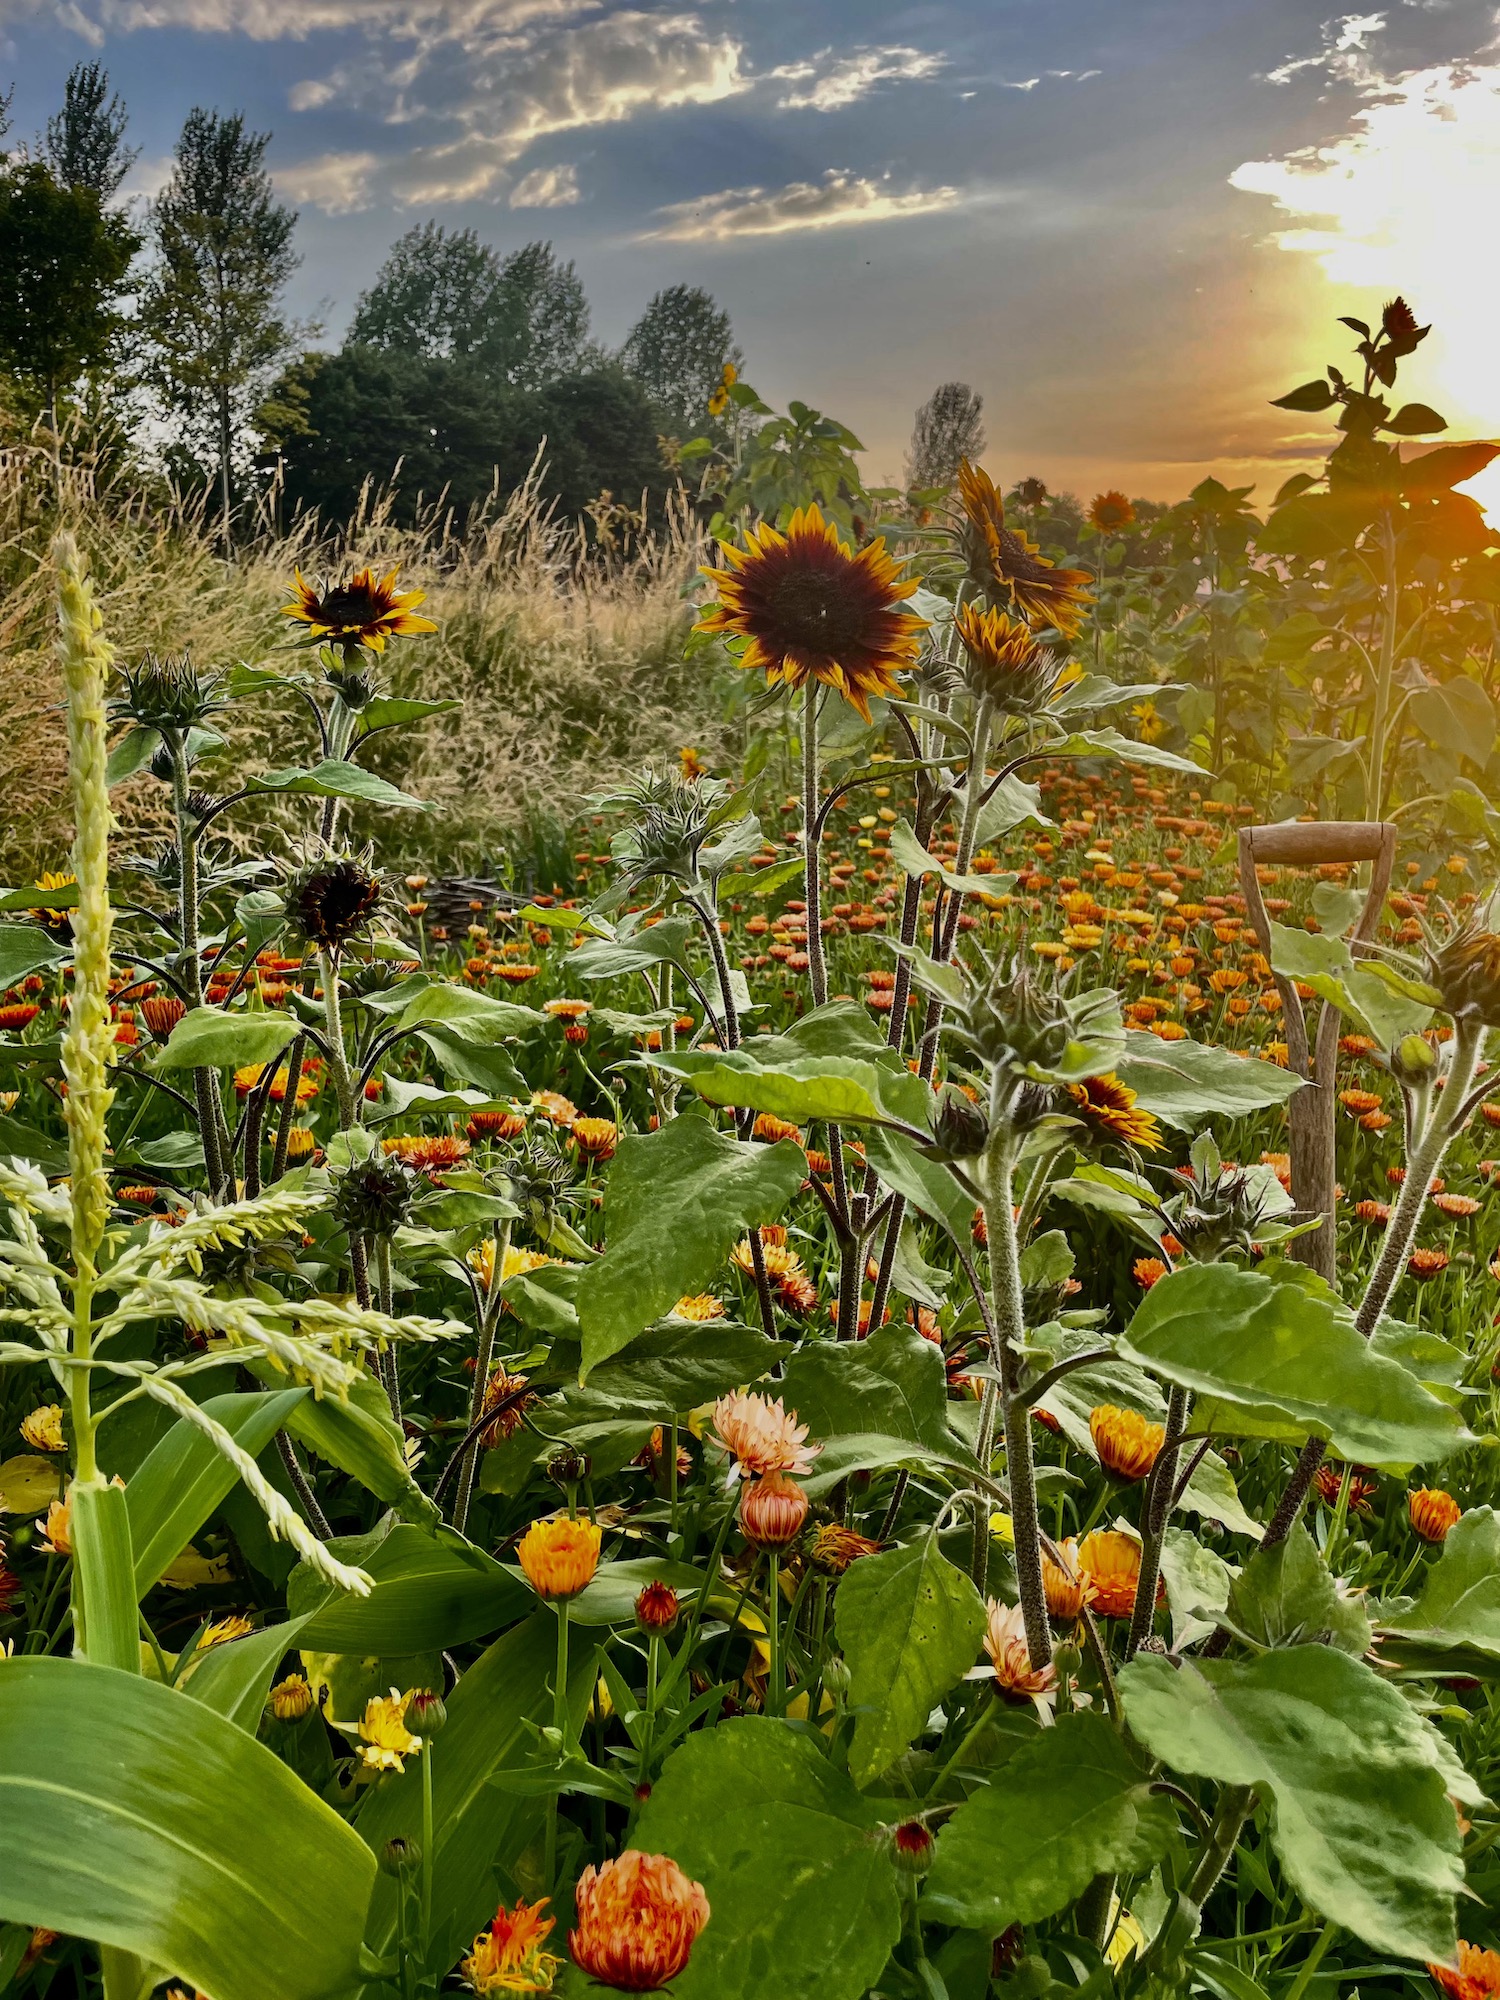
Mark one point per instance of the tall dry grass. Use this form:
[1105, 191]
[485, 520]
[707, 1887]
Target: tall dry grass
[566, 667]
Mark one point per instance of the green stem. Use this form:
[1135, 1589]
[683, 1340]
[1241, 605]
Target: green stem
[560, 1724]
[427, 1852]
[776, 1680]
[1311, 1963]
[489, 1318]
[817, 971]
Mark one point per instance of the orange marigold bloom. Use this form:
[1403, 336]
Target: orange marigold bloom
[1477, 1977]
[1432, 1512]
[1127, 1442]
[432, 1154]
[1459, 1206]
[1148, 1271]
[1068, 1589]
[1006, 563]
[809, 608]
[567, 1010]
[638, 1920]
[1005, 1642]
[835, 1547]
[20, 1015]
[1360, 1101]
[596, 1138]
[484, 1125]
[762, 1436]
[1111, 1560]
[771, 1128]
[559, 1556]
[699, 1306]
[1109, 1109]
[1330, 1479]
[1377, 1213]
[508, 1957]
[361, 612]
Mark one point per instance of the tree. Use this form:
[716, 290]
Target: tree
[84, 143]
[947, 429]
[444, 294]
[65, 262]
[677, 350]
[211, 305]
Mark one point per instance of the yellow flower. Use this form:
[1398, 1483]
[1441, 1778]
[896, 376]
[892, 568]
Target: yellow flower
[559, 1556]
[291, 1699]
[223, 1630]
[385, 1740]
[1005, 563]
[1109, 1109]
[1127, 1442]
[508, 1957]
[809, 608]
[1003, 1528]
[361, 612]
[58, 1533]
[1151, 724]
[43, 1430]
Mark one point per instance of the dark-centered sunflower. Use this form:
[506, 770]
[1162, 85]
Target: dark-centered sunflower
[1109, 512]
[811, 609]
[365, 611]
[1006, 563]
[1006, 666]
[1109, 1109]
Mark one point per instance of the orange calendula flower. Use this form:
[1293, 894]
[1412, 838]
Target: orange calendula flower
[809, 608]
[1068, 1589]
[638, 1920]
[560, 1556]
[554, 1107]
[1005, 1642]
[432, 1154]
[834, 1547]
[773, 1509]
[771, 1128]
[362, 612]
[596, 1138]
[1432, 1512]
[762, 1436]
[1005, 562]
[1477, 1976]
[1109, 1109]
[699, 1306]
[1127, 1442]
[1111, 1560]
[508, 1957]
[57, 1535]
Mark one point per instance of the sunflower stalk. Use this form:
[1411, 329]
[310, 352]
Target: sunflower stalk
[488, 1320]
[1155, 1517]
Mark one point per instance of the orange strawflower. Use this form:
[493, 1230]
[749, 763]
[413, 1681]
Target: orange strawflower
[772, 1510]
[508, 1957]
[559, 1556]
[1068, 1589]
[1477, 1977]
[762, 1436]
[638, 1920]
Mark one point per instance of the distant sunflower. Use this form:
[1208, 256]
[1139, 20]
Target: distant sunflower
[362, 612]
[1005, 562]
[811, 609]
[1111, 511]
[1109, 1109]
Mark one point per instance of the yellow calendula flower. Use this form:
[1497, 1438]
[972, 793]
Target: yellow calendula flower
[385, 1741]
[559, 1556]
[223, 1630]
[291, 1699]
[43, 1429]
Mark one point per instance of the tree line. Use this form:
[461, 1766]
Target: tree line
[162, 329]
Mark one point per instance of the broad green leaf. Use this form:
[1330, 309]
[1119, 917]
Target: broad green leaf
[210, 1038]
[29, 1483]
[131, 755]
[24, 949]
[427, 1594]
[1212, 1492]
[676, 1202]
[893, 1383]
[488, 1069]
[765, 881]
[480, 1828]
[926, 1183]
[1185, 1082]
[910, 855]
[1459, 1607]
[1356, 1780]
[1359, 988]
[1071, 1400]
[1073, 1803]
[234, 1678]
[845, 1090]
[184, 1478]
[361, 1438]
[803, 1893]
[1279, 1352]
[1197, 1582]
[1013, 803]
[1110, 743]
[400, 1099]
[389, 711]
[909, 1624]
[135, 1816]
[610, 1598]
[335, 779]
[633, 951]
[64, 897]
[466, 1016]
[1286, 1596]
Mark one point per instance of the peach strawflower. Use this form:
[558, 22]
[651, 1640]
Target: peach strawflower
[1432, 1513]
[1111, 1560]
[508, 1957]
[1068, 1589]
[57, 1535]
[1127, 1442]
[1010, 1657]
[638, 1920]
[559, 1556]
[762, 1436]
[772, 1510]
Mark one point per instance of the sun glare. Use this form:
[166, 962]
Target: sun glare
[1402, 204]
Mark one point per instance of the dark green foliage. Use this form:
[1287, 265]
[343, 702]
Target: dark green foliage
[677, 351]
[65, 260]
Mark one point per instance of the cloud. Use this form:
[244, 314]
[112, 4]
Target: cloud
[338, 183]
[1345, 52]
[295, 20]
[547, 187]
[839, 198]
[830, 82]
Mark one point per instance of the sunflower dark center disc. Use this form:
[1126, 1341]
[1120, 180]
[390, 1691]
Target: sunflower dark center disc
[819, 613]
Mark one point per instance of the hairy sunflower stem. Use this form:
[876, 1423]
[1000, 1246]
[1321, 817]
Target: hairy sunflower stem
[488, 1320]
[1154, 1521]
[817, 971]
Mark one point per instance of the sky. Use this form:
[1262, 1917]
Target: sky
[1128, 226]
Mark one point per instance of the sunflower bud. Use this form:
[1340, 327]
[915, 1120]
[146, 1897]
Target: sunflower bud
[1465, 969]
[1413, 1059]
[959, 1126]
[332, 900]
[375, 1195]
[167, 694]
[1004, 665]
[1008, 1019]
[355, 686]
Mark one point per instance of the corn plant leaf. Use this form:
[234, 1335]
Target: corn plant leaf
[1286, 1596]
[1459, 1608]
[675, 1203]
[804, 1899]
[24, 949]
[1280, 1355]
[893, 1383]
[1072, 1803]
[909, 1624]
[234, 1678]
[184, 1478]
[1185, 1082]
[480, 1827]
[336, 779]
[427, 1593]
[211, 1038]
[1356, 1781]
[135, 1816]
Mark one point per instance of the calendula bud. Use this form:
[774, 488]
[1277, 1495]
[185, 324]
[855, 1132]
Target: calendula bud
[567, 1467]
[399, 1855]
[425, 1713]
[837, 1677]
[1067, 1659]
[911, 1847]
[657, 1608]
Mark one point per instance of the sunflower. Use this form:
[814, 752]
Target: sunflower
[1108, 1108]
[1005, 664]
[1111, 511]
[1006, 563]
[361, 612]
[811, 609]
[53, 917]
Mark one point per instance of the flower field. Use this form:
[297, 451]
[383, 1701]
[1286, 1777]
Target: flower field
[888, 1390]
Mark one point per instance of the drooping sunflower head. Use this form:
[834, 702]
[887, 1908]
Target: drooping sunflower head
[364, 611]
[332, 899]
[1004, 663]
[1110, 512]
[1007, 566]
[1107, 1108]
[1465, 969]
[809, 608]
